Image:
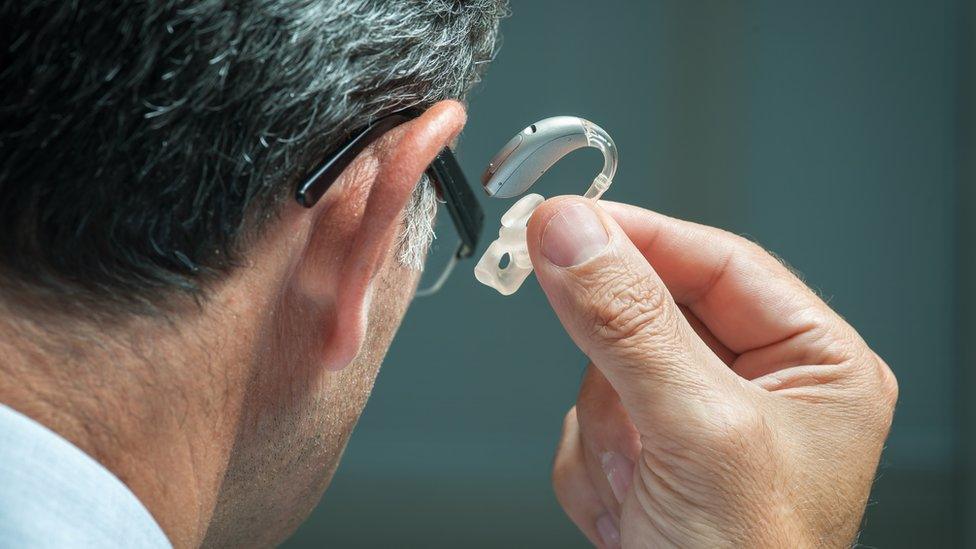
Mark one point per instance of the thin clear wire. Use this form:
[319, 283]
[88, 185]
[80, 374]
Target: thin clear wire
[436, 286]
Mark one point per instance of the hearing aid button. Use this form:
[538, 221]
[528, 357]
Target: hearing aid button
[500, 158]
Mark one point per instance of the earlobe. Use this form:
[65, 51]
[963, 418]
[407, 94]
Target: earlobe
[345, 255]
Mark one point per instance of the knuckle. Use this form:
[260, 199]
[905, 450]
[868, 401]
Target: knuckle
[562, 473]
[875, 393]
[754, 252]
[747, 247]
[569, 422]
[887, 384]
[829, 341]
[563, 488]
[628, 307]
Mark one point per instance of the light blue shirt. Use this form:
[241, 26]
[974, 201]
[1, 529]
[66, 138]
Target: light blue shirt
[54, 495]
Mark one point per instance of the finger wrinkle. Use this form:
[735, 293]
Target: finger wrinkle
[631, 311]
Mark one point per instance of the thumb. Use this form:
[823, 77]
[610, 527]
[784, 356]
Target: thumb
[620, 314]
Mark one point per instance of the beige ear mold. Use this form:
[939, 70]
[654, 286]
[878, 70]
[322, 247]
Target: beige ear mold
[518, 165]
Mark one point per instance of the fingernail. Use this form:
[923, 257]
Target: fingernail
[609, 533]
[620, 472]
[573, 235]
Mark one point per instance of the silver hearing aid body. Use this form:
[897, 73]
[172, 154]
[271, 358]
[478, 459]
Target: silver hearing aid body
[514, 169]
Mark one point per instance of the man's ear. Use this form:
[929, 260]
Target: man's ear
[354, 226]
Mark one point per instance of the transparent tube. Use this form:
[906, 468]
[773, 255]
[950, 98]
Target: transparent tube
[597, 138]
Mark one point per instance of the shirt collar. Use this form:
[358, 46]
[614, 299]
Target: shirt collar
[55, 495]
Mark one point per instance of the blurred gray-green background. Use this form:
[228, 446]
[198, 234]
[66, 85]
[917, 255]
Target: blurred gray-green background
[837, 134]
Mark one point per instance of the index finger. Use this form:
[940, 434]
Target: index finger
[746, 297]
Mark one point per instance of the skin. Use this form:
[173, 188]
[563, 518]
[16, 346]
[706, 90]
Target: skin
[228, 420]
[726, 404]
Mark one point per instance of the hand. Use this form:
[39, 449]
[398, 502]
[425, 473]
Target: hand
[726, 404]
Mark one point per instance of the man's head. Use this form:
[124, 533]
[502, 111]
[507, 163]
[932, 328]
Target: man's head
[148, 153]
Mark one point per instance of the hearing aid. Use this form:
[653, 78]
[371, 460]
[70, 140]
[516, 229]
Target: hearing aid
[514, 169]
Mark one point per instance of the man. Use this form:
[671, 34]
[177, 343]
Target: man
[184, 350]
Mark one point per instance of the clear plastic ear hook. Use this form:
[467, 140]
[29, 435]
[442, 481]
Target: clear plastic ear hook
[517, 166]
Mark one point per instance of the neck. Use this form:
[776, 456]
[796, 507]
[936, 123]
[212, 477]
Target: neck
[158, 400]
[140, 398]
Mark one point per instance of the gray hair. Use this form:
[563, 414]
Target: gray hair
[144, 144]
[418, 226]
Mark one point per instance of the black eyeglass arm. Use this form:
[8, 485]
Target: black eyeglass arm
[315, 185]
[460, 202]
